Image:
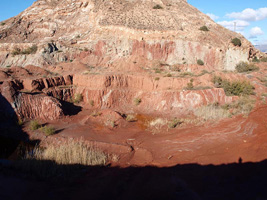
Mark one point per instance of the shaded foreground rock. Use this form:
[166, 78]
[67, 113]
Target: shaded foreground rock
[30, 106]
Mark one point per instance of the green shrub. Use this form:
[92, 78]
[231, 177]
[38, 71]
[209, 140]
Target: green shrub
[255, 59]
[246, 67]
[190, 85]
[184, 74]
[78, 98]
[174, 123]
[263, 59]
[34, 125]
[168, 75]
[137, 101]
[244, 105]
[3, 23]
[200, 62]
[158, 71]
[157, 7]
[31, 50]
[157, 79]
[235, 88]
[204, 28]
[48, 130]
[236, 42]
[92, 103]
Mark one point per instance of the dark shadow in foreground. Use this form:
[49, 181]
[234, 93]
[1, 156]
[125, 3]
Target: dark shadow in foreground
[188, 181]
[11, 133]
[70, 109]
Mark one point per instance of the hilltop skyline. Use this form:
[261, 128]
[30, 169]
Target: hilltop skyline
[249, 17]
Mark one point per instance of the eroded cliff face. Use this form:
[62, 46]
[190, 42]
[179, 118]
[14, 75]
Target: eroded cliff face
[29, 106]
[105, 31]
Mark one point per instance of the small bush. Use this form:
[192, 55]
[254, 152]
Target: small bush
[184, 74]
[31, 50]
[157, 7]
[255, 59]
[235, 88]
[157, 79]
[92, 103]
[236, 42]
[246, 67]
[137, 101]
[244, 105]
[204, 28]
[48, 130]
[131, 118]
[96, 114]
[78, 98]
[158, 71]
[174, 123]
[3, 23]
[34, 125]
[168, 75]
[263, 59]
[190, 85]
[200, 62]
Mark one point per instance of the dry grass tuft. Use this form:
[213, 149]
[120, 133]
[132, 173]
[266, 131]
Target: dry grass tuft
[71, 152]
[212, 112]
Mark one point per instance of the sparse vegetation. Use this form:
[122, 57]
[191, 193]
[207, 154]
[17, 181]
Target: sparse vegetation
[157, 7]
[92, 103]
[184, 74]
[62, 161]
[96, 114]
[131, 118]
[190, 85]
[235, 88]
[137, 101]
[8, 66]
[168, 75]
[110, 123]
[200, 62]
[3, 24]
[31, 50]
[263, 59]
[212, 112]
[157, 123]
[255, 59]
[204, 28]
[174, 123]
[244, 105]
[77, 98]
[157, 79]
[34, 125]
[48, 130]
[246, 67]
[157, 70]
[236, 42]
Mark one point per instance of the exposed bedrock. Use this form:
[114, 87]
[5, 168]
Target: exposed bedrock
[124, 92]
[30, 106]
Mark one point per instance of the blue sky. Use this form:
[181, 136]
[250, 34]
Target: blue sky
[250, 16]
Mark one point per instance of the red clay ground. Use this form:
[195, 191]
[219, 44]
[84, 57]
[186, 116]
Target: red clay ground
[212, 143]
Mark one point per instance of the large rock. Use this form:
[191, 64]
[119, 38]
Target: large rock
[28, 106]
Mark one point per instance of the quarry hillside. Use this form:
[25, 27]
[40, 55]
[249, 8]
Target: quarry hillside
[115, 99]
[107, 32]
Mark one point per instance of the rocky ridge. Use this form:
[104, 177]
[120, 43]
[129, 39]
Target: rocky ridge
[106, 31]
